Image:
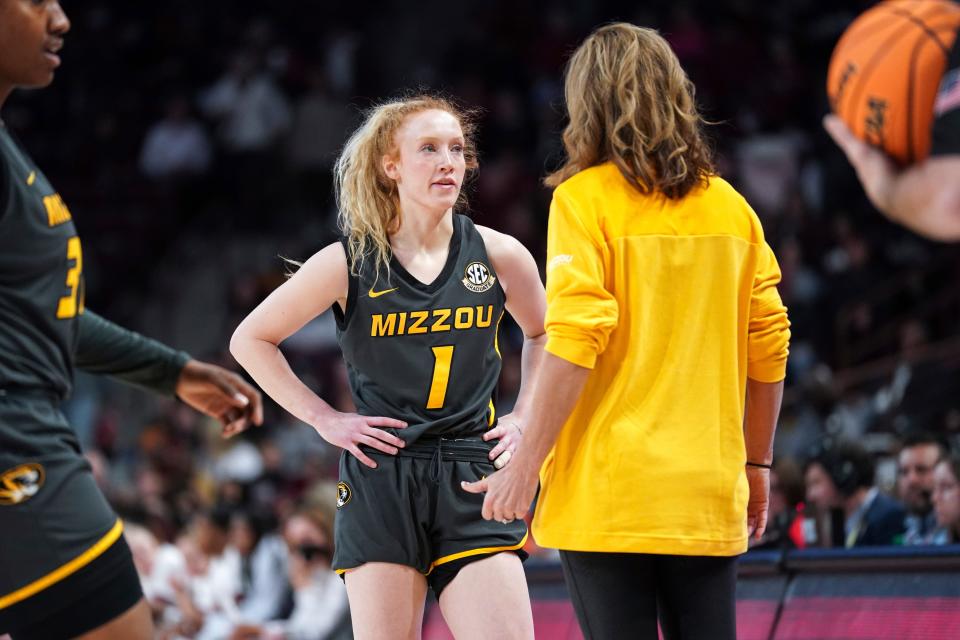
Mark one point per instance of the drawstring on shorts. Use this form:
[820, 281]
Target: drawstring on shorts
[437, 462]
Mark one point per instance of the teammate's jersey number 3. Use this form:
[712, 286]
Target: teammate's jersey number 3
[72, 303]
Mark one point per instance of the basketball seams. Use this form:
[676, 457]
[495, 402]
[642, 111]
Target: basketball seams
[867, 30]
[911, 27]
[912, 153]
[940, 24]
[921, 22]
[875, 24]
[880, 52]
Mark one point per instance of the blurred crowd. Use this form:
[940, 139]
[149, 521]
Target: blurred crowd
[231, 573]
[194, 144]
[835, 498]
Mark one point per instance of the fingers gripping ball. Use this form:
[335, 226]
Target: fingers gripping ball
[885, 72]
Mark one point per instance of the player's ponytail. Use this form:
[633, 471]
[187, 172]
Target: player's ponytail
[631, 103]
[367, 200]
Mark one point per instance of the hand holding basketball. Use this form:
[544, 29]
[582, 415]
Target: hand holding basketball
[885, 71]
[874, 168]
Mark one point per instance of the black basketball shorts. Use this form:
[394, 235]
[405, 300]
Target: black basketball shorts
[411, 510]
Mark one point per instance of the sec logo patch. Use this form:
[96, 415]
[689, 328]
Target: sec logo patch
[477, 277]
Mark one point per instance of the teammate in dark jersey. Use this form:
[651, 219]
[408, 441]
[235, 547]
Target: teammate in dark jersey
[923, 197]
[418, 293]
[65, 570]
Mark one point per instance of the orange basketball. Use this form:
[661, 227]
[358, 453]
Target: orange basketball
[885, 71]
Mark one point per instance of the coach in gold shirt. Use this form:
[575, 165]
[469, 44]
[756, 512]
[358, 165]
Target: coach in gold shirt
[657, 398]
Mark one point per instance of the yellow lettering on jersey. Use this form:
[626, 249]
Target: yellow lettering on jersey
[383, 327]
[395, 323]
[441, 316]
[57, 212]
[463, 318]
[480, 321]
[418, 318]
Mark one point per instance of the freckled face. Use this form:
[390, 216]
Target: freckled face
[429, 165]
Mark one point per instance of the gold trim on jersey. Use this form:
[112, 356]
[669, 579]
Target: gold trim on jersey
[66, 570]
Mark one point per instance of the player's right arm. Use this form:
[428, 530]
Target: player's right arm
[322, 281]
[923, 197]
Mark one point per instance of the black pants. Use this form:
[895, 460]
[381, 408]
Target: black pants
[620, 595]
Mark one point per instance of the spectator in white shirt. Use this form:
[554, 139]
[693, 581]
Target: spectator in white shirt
[263, 567]
[320, 609]
[177, 145]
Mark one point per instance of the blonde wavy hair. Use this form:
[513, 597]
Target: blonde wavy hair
[631, 103]
[367, 199]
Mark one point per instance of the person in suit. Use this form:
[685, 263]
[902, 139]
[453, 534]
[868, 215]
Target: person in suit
[855, 513]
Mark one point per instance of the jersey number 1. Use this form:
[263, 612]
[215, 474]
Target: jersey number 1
[442, 357]
[68, 305]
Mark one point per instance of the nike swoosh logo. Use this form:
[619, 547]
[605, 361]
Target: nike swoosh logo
[377, 294]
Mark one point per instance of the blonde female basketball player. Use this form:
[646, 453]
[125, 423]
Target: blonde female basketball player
[418, 292]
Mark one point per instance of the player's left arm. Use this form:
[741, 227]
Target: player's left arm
[106, 348]
[527, 303]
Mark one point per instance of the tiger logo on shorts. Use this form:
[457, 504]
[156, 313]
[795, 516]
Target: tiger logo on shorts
[20, 483]
[343, 494]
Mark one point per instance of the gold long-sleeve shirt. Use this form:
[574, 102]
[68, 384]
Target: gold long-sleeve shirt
[673, 305]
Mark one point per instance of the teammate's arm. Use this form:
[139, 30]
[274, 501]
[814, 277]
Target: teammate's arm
[924, 197]
[526, 301]
[106, 348]
[322, 281]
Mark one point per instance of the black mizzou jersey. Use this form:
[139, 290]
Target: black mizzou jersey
[426, 353]
[41, 277]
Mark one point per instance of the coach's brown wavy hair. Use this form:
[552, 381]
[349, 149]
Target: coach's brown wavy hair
[631, 103]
